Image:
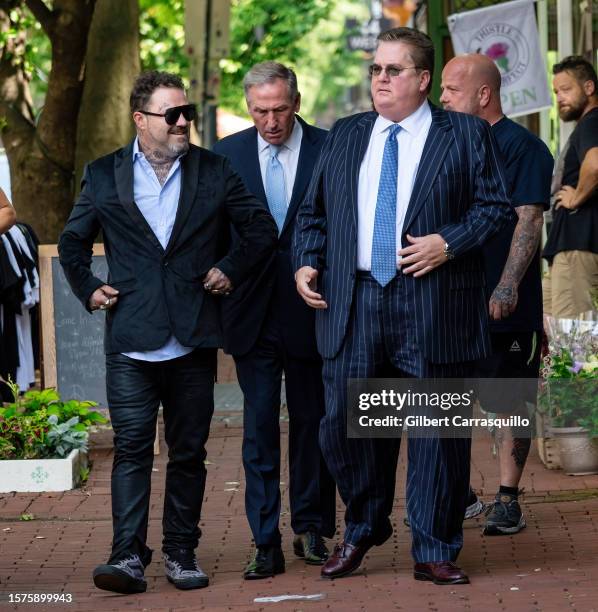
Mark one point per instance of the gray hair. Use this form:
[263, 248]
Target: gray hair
[268, 72]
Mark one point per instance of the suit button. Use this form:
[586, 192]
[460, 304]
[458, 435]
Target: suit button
[166, 264]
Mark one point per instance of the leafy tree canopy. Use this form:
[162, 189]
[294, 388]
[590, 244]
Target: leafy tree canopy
[308, 35]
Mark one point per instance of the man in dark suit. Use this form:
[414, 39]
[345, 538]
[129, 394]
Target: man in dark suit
[164, 207]
[417, 182]
[269, 330]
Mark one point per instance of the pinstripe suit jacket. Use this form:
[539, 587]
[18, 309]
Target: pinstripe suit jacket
[459, 192]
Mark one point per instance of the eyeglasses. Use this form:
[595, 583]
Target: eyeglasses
[391, 70]
[171, 115]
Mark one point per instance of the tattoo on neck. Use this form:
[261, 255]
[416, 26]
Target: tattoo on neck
[160, 163]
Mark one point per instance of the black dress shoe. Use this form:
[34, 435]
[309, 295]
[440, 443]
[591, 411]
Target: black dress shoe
[267, 562]
[310, 547]
[441, 572]
[344, 560]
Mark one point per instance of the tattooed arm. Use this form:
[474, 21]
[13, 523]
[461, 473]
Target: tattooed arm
[526, 238]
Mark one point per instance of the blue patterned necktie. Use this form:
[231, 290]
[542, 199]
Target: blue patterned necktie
[384, 243]
[275, 189]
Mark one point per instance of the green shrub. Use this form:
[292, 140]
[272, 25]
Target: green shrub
[39, 425]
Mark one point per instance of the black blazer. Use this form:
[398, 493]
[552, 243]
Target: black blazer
[459, 192]
[161, 291]
[273, 284]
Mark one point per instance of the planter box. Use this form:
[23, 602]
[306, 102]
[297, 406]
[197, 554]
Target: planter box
[33, 475]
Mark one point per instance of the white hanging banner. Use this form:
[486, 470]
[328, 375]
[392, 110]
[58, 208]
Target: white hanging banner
[507, 33]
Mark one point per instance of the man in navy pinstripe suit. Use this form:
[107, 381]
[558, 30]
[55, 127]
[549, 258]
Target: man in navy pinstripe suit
[396, 276]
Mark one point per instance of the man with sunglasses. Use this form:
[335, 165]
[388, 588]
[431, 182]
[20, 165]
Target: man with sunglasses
[386, 250]
[164, 207]
[270, 330]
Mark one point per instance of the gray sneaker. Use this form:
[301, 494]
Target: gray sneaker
[124, 576]
[183, 571]
[504, 516]
[475, 506]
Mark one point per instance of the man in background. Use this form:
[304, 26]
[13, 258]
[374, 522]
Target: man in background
[572, 246]
[270, 331]
[471, 84]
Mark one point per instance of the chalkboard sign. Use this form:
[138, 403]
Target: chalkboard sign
[72, 339]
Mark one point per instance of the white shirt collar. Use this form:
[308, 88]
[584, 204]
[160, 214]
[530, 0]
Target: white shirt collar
[411, 124]
[137, 152]
[293, 142]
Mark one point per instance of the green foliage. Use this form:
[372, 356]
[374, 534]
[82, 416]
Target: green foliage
[330, 69]
[162, 36]
[23, 436]
[30, 49]
[48, 399]
[62, 438]
[84, 474]
[569, 393]
[266, 30]
[39, 424]
[307, 35]
[27, 517]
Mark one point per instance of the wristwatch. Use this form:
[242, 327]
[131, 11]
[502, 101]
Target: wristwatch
[447, 251]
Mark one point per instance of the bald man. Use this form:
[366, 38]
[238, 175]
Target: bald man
[471, 84]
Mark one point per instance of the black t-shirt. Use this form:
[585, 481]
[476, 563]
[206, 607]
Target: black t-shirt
[576, 230]
[528, 168]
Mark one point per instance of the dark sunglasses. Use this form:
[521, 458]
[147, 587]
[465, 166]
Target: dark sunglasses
[391, 70]
[171, 115]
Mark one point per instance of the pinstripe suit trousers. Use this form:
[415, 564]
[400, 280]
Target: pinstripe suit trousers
[380, 343]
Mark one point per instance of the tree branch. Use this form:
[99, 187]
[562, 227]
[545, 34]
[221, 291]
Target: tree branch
[43, 14]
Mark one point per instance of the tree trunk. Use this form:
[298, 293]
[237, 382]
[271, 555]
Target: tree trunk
[105, 122]
[42, 157]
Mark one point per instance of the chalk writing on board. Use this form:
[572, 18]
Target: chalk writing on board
[80, 361]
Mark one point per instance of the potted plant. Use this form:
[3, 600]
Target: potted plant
[569, 393]
[43, 441]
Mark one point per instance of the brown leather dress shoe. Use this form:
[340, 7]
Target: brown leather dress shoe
[345, 559]
[440, 572]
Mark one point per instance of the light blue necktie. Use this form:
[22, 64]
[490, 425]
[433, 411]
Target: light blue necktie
[275, 189]
[384, 243]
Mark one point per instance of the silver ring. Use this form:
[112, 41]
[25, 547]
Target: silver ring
[103, 307]
[107, 302]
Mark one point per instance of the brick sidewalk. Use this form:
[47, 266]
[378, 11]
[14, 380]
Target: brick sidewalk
[551, 565]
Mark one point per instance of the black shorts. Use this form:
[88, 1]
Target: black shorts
[514, 355]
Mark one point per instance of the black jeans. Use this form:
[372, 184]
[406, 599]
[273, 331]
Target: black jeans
[185, 387]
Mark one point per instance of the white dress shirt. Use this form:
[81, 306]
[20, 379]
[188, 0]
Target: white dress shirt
[288, 156]
[158, 204]
[410, 139]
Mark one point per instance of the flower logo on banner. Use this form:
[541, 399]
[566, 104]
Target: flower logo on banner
[498, 53]
[506, 46]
